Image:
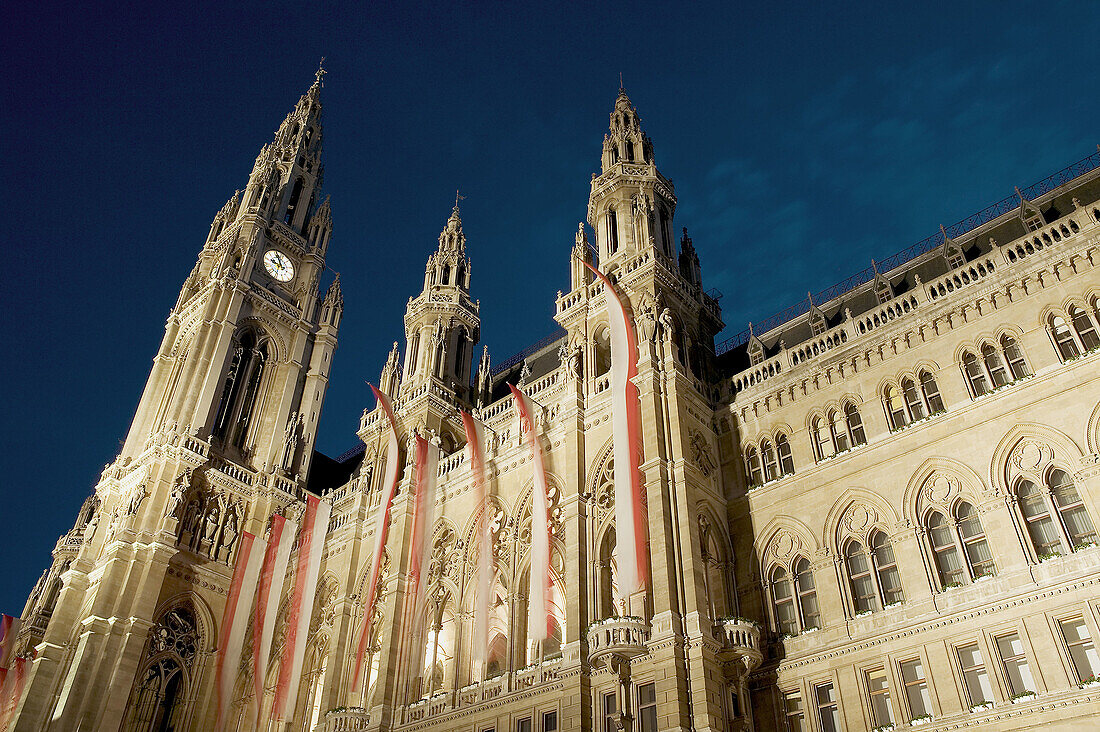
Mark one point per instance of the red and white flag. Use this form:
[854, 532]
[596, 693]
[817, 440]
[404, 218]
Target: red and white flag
[381, 527]
[475, 441]
[11, 693]
[311, 540]
[242, 590]
[9, 629]
[540, 617]
[631, 527]
[272, 577]
[427, 468]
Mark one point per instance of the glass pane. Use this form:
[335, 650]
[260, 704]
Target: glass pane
[807, 595]
[993, 363]
[840, 430]
[1017, 673]
[855, 424]
[550, 722]
[523, 725]
[792, 709]
[879, 690]
[978, 686]
[916, 690]
[826, 708]
[1082, 651]
[1086, 331]
[913, 399]
[786, 462]
[647, 694]
[931, 392]
[975, 374]
[1015, 357]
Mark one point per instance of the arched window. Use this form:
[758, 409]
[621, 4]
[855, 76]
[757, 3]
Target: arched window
[786, 462]
[975, 375]
[838, 426]
[771, 467]
[666, 232]
[612, 232]
[895, 408]
[978, 558]
[931, 392]
[609, 586]
[602, 362]
[1044, 535]
[807, 594]
[889, 580]
[945, 551]
[292, 205]
[1015, 357]
[460, 352]
[158, 701]
[994, 365]
[1063, 338]
[414, 352]
[241, 387]
[1075, 519]
[823, 443]
[753, 467]
[855, 424]
[786, 617]
[864, 598]
[628, 148]
[913, 400]
[1086, 329]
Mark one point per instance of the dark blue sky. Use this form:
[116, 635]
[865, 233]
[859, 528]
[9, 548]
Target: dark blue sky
[802, 141]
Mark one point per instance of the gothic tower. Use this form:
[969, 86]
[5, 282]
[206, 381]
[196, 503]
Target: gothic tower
[221, 439]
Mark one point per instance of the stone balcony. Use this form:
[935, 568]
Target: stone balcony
[740, 642]
[346, 719]
[617, 639]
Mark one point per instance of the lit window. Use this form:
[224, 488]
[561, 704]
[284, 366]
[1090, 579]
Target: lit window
[647, 708]
[828, 716]
[1082, 651]
[895, 407]
[878, 689]
[1014, 662]
[916, 689]
[978, 687]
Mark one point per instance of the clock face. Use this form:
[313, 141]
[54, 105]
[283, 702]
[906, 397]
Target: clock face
[278, 266]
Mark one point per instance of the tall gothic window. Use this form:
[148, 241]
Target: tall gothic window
[794, 597]
[931, 392]
[241, 388]
[157, 703]
[1063, 338]
[1015, 357]
[786, 462]
[1054, 515]
[612, 232]
[873, 577]
[292, 205]
[841, 430]
[975, 375]
[1086, 329]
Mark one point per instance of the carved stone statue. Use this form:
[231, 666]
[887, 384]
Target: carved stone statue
[212, 523]
[175, 498]
[667, 325]
[92, 525]
[137, 495]
[647, 319]
[229, 534]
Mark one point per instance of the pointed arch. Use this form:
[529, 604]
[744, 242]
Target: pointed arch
[879, 513]
[999, 468]
[969, 481]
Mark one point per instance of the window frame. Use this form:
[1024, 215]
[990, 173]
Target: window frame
[641, 708]
[836, 726]
[1054, 512]
[920, 684]
[870, 694]
[1068, 647]
[995, 642]
[980, 670]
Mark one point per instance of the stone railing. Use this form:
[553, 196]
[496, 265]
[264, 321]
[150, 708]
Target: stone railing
[625, 638]
[961, 277]
[740, 640]
[346, 719]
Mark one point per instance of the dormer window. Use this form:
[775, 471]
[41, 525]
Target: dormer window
[817, 322]
[884, 292]
[756, 353]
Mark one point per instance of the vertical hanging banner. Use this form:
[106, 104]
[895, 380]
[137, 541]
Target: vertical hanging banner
[242, 590]
[311, 540]
[420, 548]
[12, 691]
[475, 441]
[631, 529]
[9, 629]
[539, 613]
[272, 576]
[381, 526]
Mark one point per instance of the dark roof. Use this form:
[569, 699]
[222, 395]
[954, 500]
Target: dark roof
[326, 473]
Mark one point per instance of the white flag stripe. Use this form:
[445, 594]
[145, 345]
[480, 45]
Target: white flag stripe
[249, 562]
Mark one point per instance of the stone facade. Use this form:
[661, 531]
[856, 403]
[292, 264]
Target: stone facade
[878, 507]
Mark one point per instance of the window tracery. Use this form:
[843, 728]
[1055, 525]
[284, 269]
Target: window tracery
[840, 430]
[995, 367]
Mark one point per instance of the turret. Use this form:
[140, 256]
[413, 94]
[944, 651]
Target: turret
[391, 373]
[579, 274]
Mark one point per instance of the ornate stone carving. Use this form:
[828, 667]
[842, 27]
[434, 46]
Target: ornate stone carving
[858, 518]
[701, 454]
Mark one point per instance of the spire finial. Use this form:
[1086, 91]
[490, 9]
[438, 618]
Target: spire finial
[621, 87]
[874, 265]
[457, 199]
[320, 75]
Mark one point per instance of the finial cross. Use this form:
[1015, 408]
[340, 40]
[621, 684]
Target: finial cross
[458, 198]
[321, 71]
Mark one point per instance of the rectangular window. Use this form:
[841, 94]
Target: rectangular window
[647, 708]
[978, 686]
[1082, 651]
[1014, 662]
[828, 716]
[610, 712]
[550, 722]
[916, 689]
[878, 691]
[792, 711]
[523, 725]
